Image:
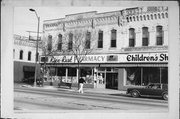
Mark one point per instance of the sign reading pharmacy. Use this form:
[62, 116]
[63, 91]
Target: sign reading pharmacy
[117, 58]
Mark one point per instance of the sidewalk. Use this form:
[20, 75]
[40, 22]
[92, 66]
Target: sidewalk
[74, 89]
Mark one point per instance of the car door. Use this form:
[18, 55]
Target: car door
[147, 90]
[157, 91]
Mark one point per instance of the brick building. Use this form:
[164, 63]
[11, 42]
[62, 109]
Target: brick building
[130, 47]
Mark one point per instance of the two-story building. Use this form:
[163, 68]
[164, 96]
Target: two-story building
[24, 54]
[130, 47]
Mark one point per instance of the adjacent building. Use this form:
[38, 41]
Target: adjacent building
[24, 52]
[130, 47]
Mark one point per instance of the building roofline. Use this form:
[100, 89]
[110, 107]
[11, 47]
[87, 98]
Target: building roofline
[81, 13]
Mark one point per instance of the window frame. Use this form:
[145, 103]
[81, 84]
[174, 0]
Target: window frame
[88, 40]
[145, 36]
[29, 56]
[159, 35]
[133, 38]
[70, 42]
[113, 38]
[59, 46]
[21, 54]
[100, 39]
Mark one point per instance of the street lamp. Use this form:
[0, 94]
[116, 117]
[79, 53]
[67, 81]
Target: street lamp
[35, 76]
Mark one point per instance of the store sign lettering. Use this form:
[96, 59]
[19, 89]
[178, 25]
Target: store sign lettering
[94, 58]
[63, 59]
[149, 58]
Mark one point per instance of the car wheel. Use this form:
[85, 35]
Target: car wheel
[134, 94]
[165, 96]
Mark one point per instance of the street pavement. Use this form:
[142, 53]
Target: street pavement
[52, 98]
[74, 89]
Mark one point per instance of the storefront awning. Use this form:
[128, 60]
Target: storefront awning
[135, 65]
[110, 65]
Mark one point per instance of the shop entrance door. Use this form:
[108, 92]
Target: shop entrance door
[112, 80]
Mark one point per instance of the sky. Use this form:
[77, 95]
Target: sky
[25, 20]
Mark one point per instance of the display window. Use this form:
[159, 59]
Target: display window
[142, 76]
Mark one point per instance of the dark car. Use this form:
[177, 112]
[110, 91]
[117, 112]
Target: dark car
[151, 90]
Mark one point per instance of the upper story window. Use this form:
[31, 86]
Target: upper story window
[159, 35]
[151, 16]
[70, 42]
[29, 56]
[132, 36]
[100, 39]
[166, 15]
[21, 55]
[59, 47]
[13, 53]
[88, 40]
[155, 16]
[145, 36]
[49, 43]
[113, 38]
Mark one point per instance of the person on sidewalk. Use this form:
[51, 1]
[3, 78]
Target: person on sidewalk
[81, 82]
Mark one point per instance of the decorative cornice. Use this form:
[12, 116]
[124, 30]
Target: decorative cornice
[116, 17]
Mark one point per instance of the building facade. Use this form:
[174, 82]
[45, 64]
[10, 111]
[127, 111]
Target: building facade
[129, 47]
[24, 52]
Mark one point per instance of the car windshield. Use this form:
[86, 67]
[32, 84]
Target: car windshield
[154, 86]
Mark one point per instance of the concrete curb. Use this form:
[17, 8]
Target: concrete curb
[86, 90]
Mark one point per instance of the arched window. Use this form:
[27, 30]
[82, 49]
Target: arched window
[21, 55]
[88, 40]
[132, 36]
[70, 43]
[166, 15]
[113, 38]
[145, 36]
[100, 39]
[159, 16]
[49, 43]
[159, 35]
[137, 17]
[144, 17]
[151, 16]
[130, 19]
[134, 18]
[147, 17]
[127, 19]
[29, 56]
[141, 18]
[162, 15]
[13, 53]
[59, 47]
[155, 16]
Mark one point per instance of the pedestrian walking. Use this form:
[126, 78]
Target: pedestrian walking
[81, 82]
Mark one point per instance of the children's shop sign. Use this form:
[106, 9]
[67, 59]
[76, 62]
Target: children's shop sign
[145, 57]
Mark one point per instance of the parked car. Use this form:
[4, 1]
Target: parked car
[151, 90]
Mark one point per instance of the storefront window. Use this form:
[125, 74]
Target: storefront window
[151, 75]
[86, 73]
[61, 71]
[133, 76]
[145, 75]
[164, 76]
